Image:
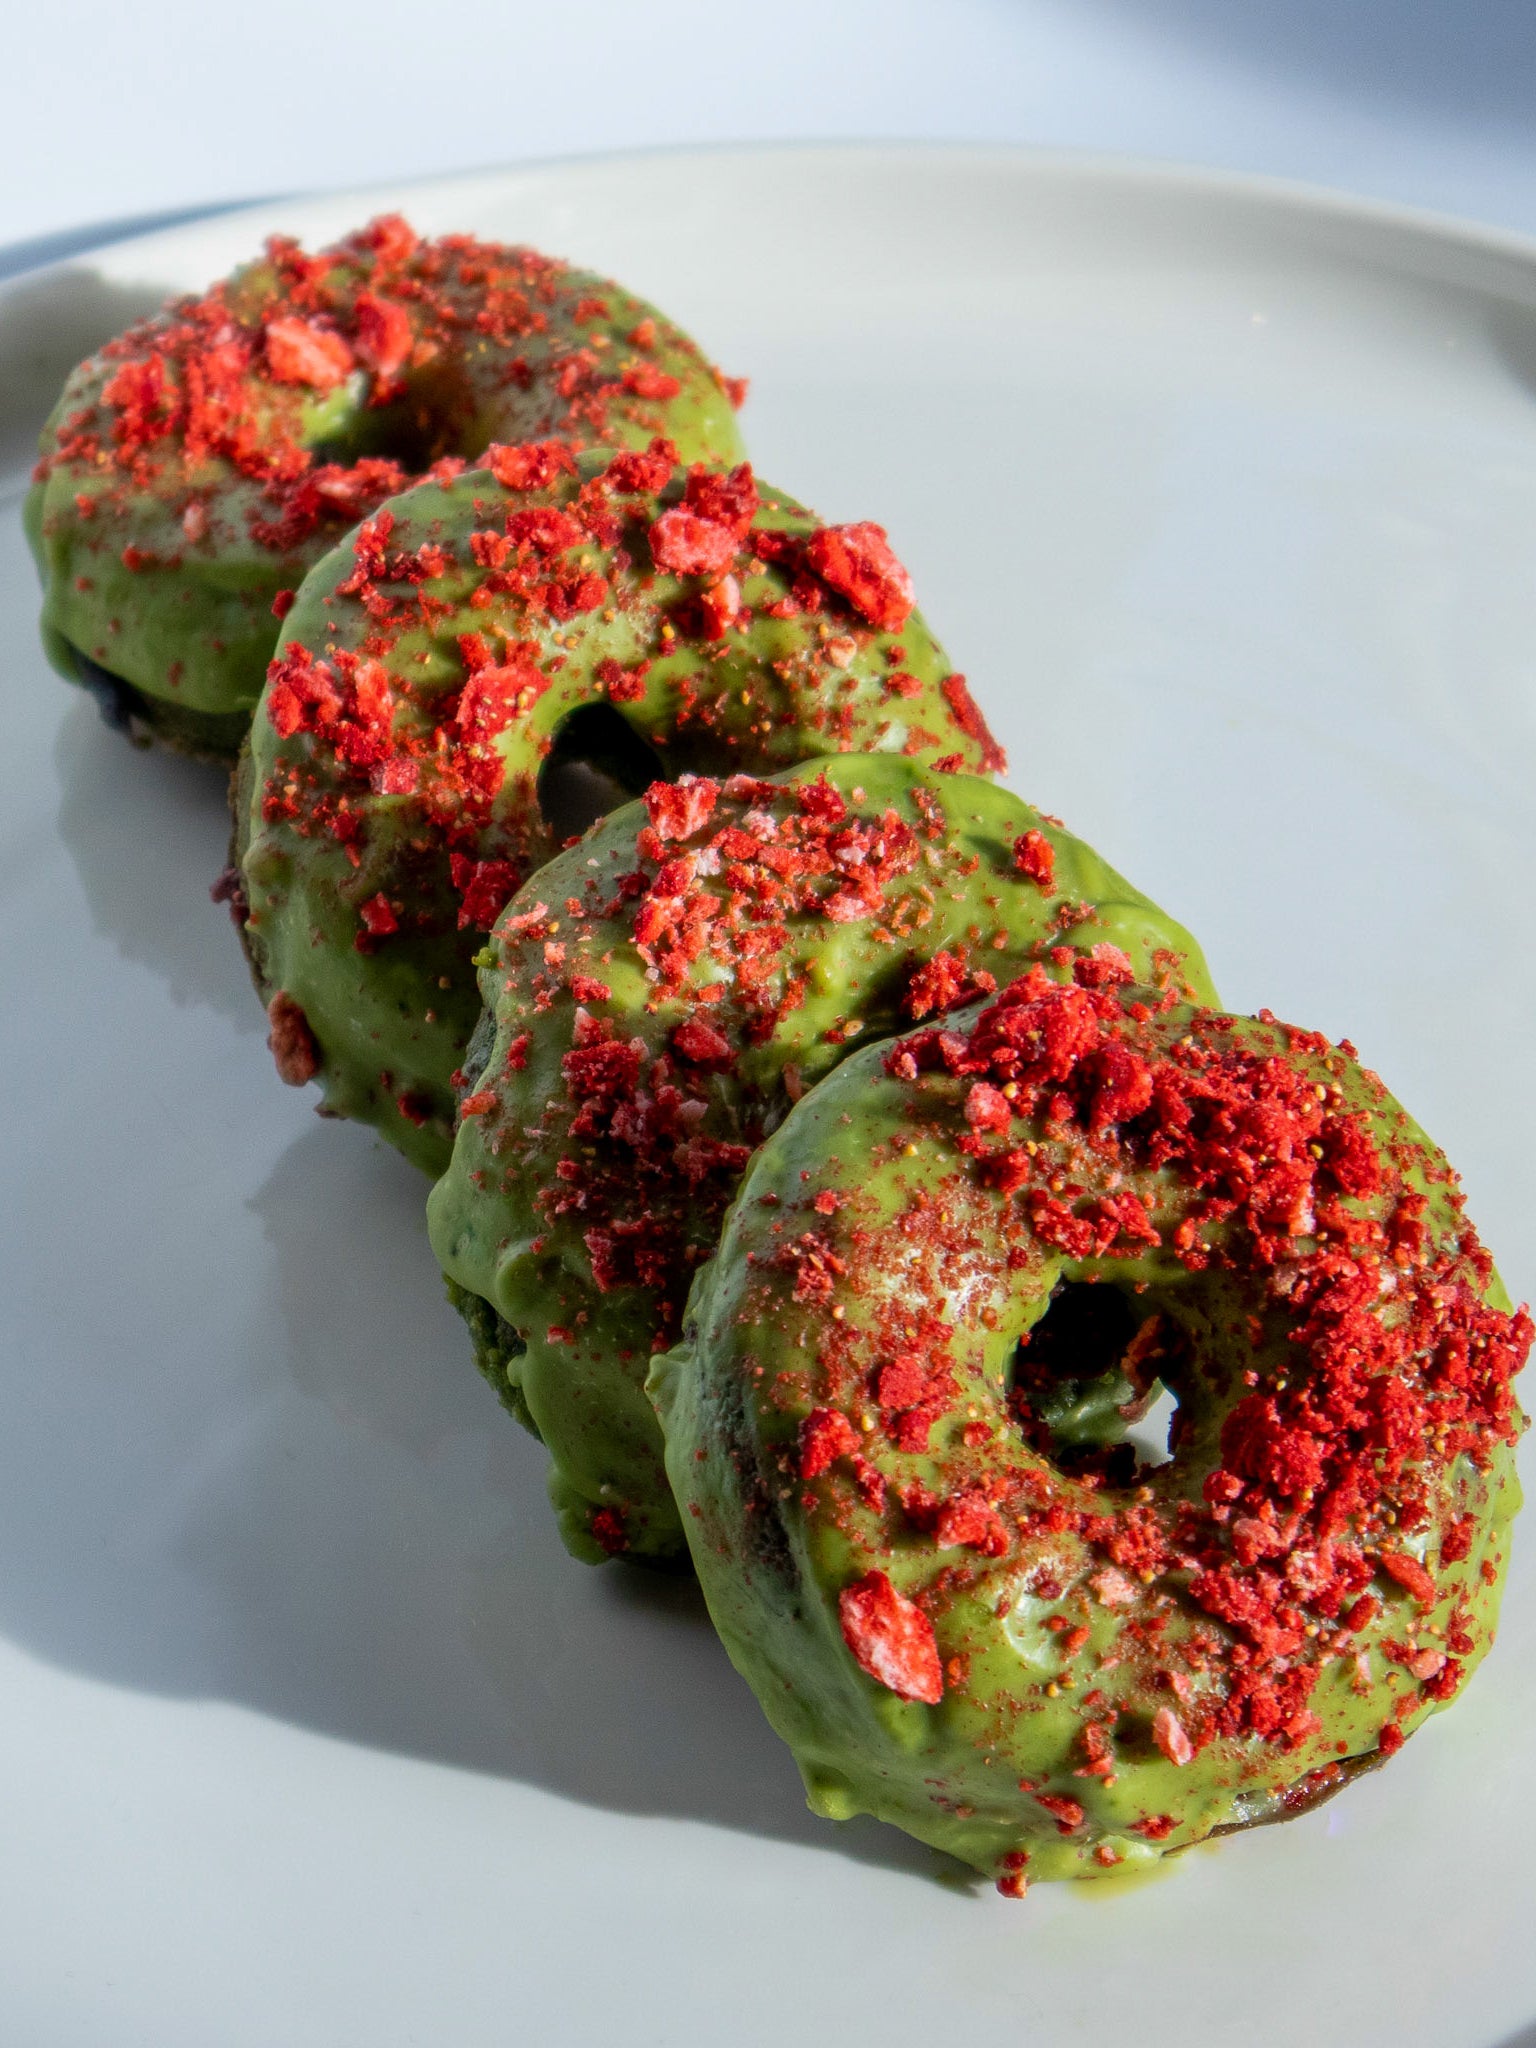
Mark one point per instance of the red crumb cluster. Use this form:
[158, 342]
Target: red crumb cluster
[731, 881]
[857, 562]
[1111, 1129]
[730, 901]
[463, 326]
[555, 557]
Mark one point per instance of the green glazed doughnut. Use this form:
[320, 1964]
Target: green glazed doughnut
[196, 468]
[442, 672]
[657, 998]
[965, 1612]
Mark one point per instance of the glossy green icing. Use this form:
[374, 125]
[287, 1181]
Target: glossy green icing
[772, 691]
[572, 1352]
[774, 1551]
[190, 626]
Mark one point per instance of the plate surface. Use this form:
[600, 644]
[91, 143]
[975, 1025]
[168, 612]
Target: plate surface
[1225, 498]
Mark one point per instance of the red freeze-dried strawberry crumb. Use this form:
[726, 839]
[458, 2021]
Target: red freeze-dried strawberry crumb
[1067, 1813]
[292, 1043]
[680, 809]
[646, 381]
[942, 983]
[857, 562]
[891, 1638]
[987, 1108]
[1156, 1827]
[825, 1436]
[1409, 1573]
[1169, 1735]
[379, 917]
[729, 501]
[972, 1522]
[719, 606]
[642, 473]
[484, 887]
[1034, 855]
[383, 339]
[1103, 966]
[531, 465]
[1457, 1541]
[1361, 1613]
[391, 237]
[690, 546]
[701, 1045]
[300, 353]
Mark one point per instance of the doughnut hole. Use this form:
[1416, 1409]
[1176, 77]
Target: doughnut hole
[435, 415]
[1088, 1383]
[596, 762]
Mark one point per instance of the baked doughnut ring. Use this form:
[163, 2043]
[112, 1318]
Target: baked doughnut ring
[440, 674]
[196, 467]
[1006, 1640]
[657, 998]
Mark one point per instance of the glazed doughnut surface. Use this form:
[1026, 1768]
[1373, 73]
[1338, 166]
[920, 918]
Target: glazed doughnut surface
[197, 466]
[657, 998]
[965, 1610]
[651, 619]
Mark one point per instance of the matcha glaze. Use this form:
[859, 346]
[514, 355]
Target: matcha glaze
[437, 670]
[197, 467]
[656, 1000]
[965, 1610]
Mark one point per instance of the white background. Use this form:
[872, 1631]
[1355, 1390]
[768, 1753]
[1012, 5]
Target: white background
[108, 109]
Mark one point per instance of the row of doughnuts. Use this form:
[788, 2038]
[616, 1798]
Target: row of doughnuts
[834, 1157]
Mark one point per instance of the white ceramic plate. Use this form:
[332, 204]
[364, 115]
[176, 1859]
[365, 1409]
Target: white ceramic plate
[1225, 496]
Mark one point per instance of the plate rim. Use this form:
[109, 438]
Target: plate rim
[1262, 193]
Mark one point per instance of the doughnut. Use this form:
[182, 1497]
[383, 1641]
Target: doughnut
[966, 1610]
[489, 652]
[196, 468]
[656, 999]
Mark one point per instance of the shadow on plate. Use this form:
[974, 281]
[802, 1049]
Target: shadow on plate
[313, 1507]
[1473, 63]
[147, 833]
[279, 1482]
[1511, 331]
